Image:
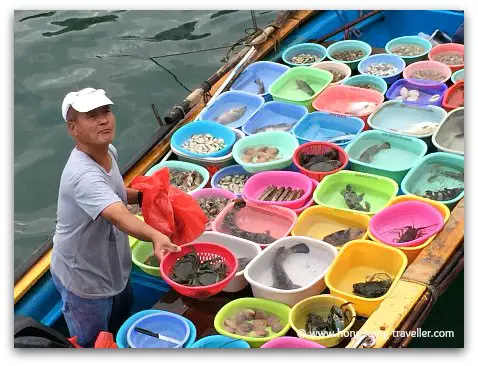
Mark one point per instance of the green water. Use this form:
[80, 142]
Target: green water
[56, 52]
[434, 177]
[401, 157]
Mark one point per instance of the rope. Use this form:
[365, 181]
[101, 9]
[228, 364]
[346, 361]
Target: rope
[172, 74]
[254, 22]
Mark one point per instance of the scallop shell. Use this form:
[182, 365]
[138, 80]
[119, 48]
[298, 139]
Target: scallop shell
[404, 92]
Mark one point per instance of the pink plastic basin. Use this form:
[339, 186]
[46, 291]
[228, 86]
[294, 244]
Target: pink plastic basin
[311, 201]
[427, 65]
[291, 342]
[338, 99]
[259, 182]
[212, 192]
[386, 224]
[448, 48]
[278, 221]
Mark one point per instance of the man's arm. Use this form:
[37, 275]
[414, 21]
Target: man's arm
[132, 195]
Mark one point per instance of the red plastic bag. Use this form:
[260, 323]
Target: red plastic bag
[168, 209]
[104, 340]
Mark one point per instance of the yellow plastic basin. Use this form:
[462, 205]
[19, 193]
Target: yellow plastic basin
[357, 260]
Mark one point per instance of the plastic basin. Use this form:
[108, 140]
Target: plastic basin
[167, 324]
[426, 89]
[266, 71]
[320, 305]
[291, 342]
[205, 251]
[258, 183]
[240, 247]
[219, 341]
[140, 253]
[377, 190]
[323, 126]
[357, 260]
[317, 222]
[447, 137]
[409, 40]
[398, 117]
[310, 48]
[229, 100]
[304, 270]
[204, 127]
[283, 141]
[228, 171]
[182, 165]
[430, 174]
[285, 89]
[318, 148]
[391, 223]
[310, 201]
[404, 152]
[396, 61]
[213, 192]
[335, 66]
[447, 48]
[274, 113]
[458, 75]
[122, 342]
[348, 45]
[270, 307]
[410, 70]
[455, 96]
[413, 252]
[278, 221]
[377, 82]
[344, 99]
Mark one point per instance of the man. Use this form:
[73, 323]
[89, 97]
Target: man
[91, 259]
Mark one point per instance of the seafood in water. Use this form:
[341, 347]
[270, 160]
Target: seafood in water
[349, 55]
[262, 154]
[243, 262]
[253, 323]
[233, 183]
[285, 127]
[343, 236]
[321, 162]
[212, 206]
[230, 223]
[367, 86]
[374, 286]
[231, 115]
[280, 278]
[304, 58]
[368, 155]
[152, 261]
[260, 85]
[408, 95]
[335, 321]
[361, 108]
[451, 58]
[336, 75]
[381, 69]
[444, 194]
[352, 199]
[185, 180]
[280, 194]
[203, 144]
[409, 233]
[190, 271]
[342, 138]
[428, 75]
[302, 85]
[408, 50]
[418, 129]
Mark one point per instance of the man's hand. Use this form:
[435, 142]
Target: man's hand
[163, 245]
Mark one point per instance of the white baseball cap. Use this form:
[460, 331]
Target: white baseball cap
[84, 100]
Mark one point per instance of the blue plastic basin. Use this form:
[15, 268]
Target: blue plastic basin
[274, 113]
[312, 48]
[367, 79]
[426, 89]
[229, 100]
[386, 58]
[266, 71]
[220, 341]
[321, 126]
[228, 170]
[407, 40]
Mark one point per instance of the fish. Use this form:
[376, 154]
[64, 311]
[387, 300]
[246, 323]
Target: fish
[422, 128]
[342, 138]
[361, 108]
[305, 87]
[231, 115]
[367, 155]
[260, 84]
[343, 236]
[279, 127]
[243, 262]
[280, 278]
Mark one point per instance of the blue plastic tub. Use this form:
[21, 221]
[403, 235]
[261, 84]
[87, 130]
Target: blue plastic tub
[386, 58]
[166, 324]
[220, 341]
[349, 45]
[266, 71]
[274, 113]
[122, 342]
[410, 40]
[203, 127]
[312, 48]
[229, 100]
[322, 126]
[458, 75]
[426, 89]
[357, 80]
[228, 170]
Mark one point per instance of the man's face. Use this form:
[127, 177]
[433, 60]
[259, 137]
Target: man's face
[96, 127]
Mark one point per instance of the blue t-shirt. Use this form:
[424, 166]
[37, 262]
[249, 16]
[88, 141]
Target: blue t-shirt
[91, 257]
